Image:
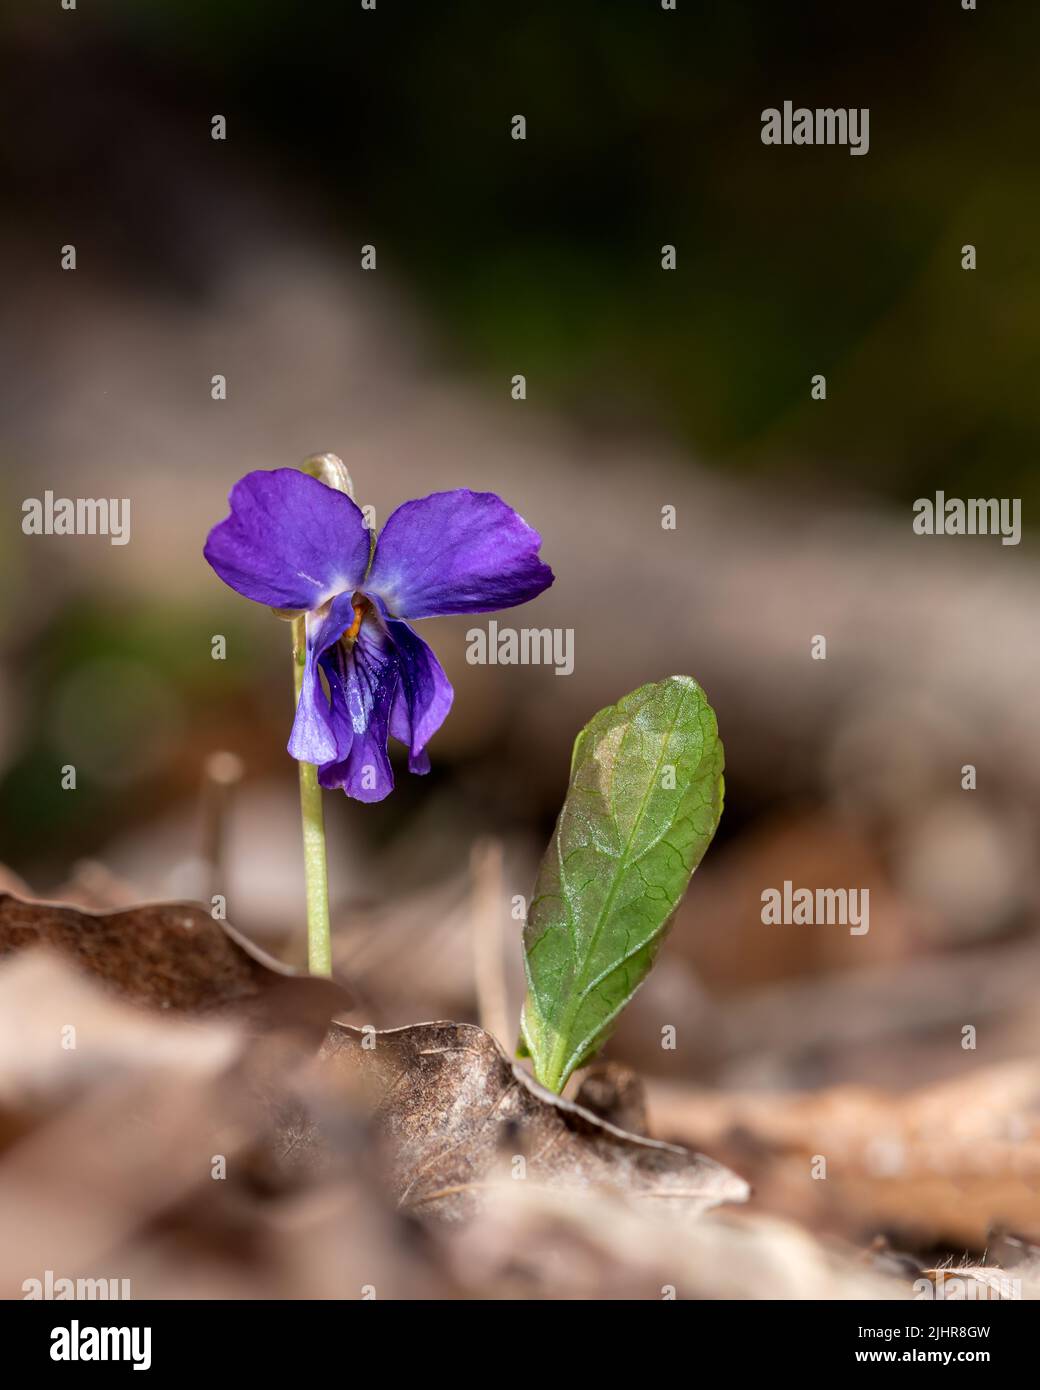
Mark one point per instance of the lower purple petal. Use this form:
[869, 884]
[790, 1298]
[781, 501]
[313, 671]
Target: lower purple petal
[423, 696]
[319, 734]
[363, 685]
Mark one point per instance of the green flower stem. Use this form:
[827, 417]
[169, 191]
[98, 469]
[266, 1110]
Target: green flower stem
[319, 941]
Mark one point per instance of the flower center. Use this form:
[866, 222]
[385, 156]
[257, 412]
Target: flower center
[361, 606]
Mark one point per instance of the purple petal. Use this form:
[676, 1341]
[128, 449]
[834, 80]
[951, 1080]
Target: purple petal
[319, 735]
[456, 552]
[362, 686]
[423, 696]
[290, 541]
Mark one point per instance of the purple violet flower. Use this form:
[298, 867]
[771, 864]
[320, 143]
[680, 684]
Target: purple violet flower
[293, 543]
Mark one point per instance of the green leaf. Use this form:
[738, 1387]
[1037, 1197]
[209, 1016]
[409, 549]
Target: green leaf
[644, 800]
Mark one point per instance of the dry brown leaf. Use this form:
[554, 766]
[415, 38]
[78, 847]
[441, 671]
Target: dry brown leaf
[458, 1116]
[173, 956]
[534, 1243]
[615, 1093]
[107, 1113]
[939, 1166]
[60, 1035]
[112, 1118]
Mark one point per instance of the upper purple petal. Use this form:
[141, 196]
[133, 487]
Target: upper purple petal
[290, 541]
[423, 696]
[456, 552]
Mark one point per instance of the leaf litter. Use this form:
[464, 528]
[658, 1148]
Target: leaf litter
[205, 1136]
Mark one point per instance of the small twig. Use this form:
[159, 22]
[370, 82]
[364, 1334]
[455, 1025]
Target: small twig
[220, 776]
[487, 898]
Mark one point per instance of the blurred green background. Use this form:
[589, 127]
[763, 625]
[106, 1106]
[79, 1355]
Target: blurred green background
[643, 129]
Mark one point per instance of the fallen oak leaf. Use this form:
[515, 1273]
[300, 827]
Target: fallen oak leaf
[169, 955]
[173, 956]
[458, 1115]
